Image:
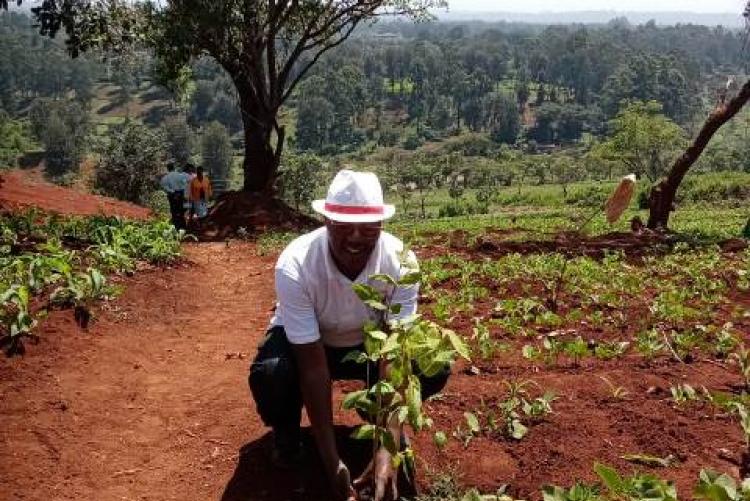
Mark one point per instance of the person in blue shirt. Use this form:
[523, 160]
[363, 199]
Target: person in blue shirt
[174, 183]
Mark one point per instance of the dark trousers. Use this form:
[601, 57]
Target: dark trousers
[177, 209]
[274, 380]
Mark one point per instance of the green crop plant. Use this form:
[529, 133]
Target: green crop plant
[683, 393]
[15, 318]
[509, 417]
[637, 487]
[610, 350]
[578, 492]
[440, 440]
[684, 343]
[486, 346]
[400, 345]
[551, 349]
[649, 343]
[576, 350]
[539, 406]
[724, 341]
[517, 402]
[617, 392]
[82, 290]
[713, 486]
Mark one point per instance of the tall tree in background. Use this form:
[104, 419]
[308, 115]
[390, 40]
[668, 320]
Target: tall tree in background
[216, 149]
[179, 139]
[643, 139]
[265, 46]
[62, 127]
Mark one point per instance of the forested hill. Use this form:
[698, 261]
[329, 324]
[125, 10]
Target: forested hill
[729, 20]
[564, 80]
[400, 85]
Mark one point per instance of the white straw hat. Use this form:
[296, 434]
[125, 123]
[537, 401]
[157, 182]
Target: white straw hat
[354, 197]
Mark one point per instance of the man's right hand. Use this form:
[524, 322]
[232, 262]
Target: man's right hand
[315, 383]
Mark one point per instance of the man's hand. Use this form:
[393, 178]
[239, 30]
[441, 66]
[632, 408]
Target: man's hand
[384, 474]
[315, 383]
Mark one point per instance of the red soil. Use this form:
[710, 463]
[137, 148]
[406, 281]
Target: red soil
[252, 213]
[26, 188]
[152, 403]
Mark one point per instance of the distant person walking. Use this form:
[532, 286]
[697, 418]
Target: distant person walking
[173, 183]
[200, 193]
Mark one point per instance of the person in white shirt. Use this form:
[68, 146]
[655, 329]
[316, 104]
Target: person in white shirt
[319, 320]
[174, 184]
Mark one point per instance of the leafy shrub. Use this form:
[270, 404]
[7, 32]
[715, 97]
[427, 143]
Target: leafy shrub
[428, 134]
[412, 142]
[300, 176]
[590, 196]
[178, 138]
[470, 145]
[461, 207]
[714, 188]
[216, 149]
[62, 127]
[388, 137]
[14, 140]
[130, 163]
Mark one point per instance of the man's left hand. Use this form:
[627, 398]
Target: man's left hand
[383, 473]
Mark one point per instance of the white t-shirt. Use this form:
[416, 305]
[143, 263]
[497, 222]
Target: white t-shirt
[316, 300]
[174, 181]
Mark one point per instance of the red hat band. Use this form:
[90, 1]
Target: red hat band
[354, 209]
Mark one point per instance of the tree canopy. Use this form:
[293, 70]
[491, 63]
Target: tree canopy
[266, 47]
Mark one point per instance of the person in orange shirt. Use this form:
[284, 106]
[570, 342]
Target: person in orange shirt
[200, 193]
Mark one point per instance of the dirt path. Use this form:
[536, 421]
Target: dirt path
[151, 403]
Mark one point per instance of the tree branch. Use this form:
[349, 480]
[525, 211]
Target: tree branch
[315, 59]
[663, 194]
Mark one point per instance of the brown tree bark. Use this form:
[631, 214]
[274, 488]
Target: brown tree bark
[261, 164]
[661, 200]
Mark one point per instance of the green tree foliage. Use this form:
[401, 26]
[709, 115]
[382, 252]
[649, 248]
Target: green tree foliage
[730, 147]
[266, 48]
[62, 127]
[217, 151]
[32, 67]
[315, 117]
[643, 139]
[329, 108]
[566, 170]
[130, 162]
[214, 97]
[502, 118]
[15, 138]
[562, 123]
[649, 77]
[179, 139]
[300, 177]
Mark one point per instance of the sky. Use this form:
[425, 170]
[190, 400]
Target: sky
[703, 6]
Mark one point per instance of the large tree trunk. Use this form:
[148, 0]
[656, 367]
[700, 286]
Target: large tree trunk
[262, 158]
[662, 196]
